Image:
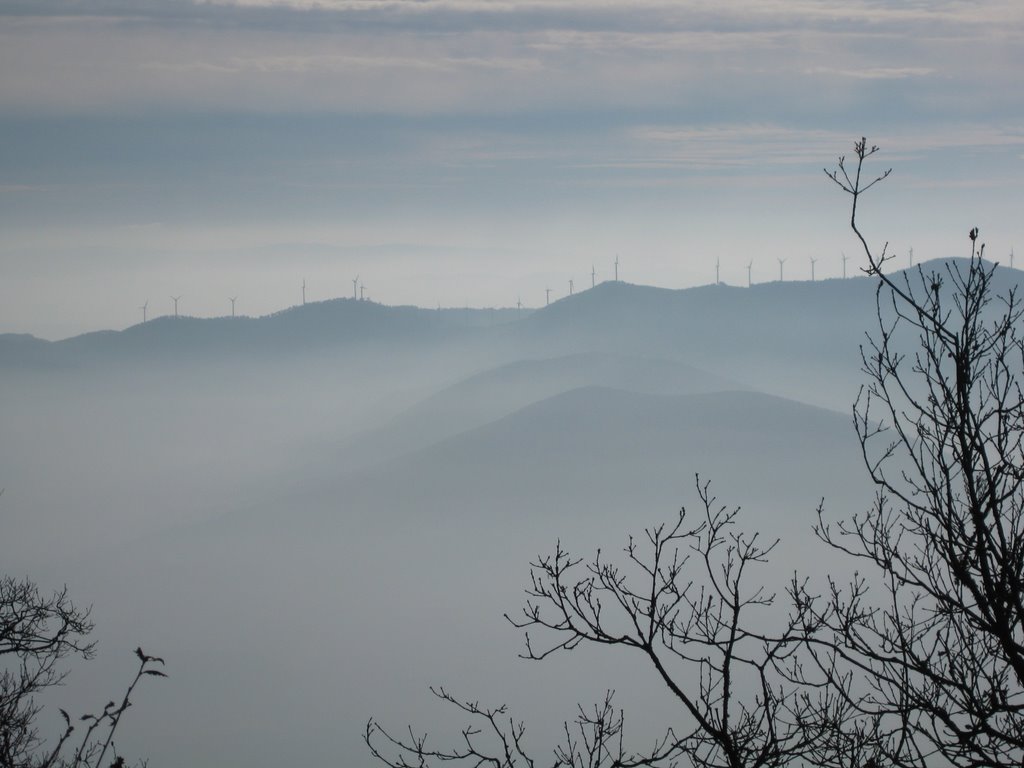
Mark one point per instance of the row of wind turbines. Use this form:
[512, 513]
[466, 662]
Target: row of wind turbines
[359, 289]
[718, 272]
[813, 261]
[358, 293]
[572, 284]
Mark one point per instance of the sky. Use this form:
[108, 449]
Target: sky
[477, 152]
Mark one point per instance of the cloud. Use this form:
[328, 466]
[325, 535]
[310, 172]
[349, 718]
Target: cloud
[740, 145]
[758, 148]
[651, 15]
[22, 188]
[874, 73]
[677, 14]
[429, 56]
[298, 64]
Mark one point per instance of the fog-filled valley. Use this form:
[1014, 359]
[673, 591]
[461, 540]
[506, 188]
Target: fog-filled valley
[313, 516]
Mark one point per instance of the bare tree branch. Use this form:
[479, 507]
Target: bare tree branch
[941, 425]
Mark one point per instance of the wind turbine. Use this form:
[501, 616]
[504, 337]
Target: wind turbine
[751, 264]
[616, 267]
[781, 262]
[303, 291]
[519, 305]
[570, 286]
[362, 292]
[813, 262]
[143, 308]
[355, 290]
[1011, 258]
[593, 276]
[911, 257]
[845, 259]
[718, 264]
[232, 300]
[547, 296]
[175, 300]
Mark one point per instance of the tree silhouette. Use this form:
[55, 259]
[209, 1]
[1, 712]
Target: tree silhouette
[939, 640]
[37, 633]
[688, 599]
[917, 660]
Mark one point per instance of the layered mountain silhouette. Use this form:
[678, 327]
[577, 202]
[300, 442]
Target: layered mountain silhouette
[367, 484]
[604, 451]
[497, 392]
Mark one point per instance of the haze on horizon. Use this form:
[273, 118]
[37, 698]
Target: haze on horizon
[315, 516]
[465, 152]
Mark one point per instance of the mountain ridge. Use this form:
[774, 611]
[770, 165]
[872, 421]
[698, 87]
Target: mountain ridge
[615, 316]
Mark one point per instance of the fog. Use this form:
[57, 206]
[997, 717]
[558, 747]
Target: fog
[316, 515]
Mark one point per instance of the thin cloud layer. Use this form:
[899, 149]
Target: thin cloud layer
[272, 55]
[551, 128]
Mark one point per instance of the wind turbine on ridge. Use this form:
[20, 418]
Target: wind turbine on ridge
[813, 262]
[143, 308]
[781, 262]
[570, 286]
[718, 264]
[845, 259]
[547, 297]
[749, 266]
[232, 300]
[593, 276]
[355, 290]
[175, 300]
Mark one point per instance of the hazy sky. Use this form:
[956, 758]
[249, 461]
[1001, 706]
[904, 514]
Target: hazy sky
[473, 151]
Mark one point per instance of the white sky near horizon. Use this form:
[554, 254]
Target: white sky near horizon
[471, 152]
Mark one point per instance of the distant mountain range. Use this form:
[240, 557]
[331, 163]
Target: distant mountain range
[345, 496]
[610, 451]
[613, 315]
[498, 392]
[792, 338]
[313, 326]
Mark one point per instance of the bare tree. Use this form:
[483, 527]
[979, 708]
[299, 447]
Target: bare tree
[933, 629]
[918, 660]
[494, 738]
[687, 602]
[37, 633]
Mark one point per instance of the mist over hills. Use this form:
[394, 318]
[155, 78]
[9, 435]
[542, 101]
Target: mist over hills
[726, 330]
[597, 452]
[343, 320]
[497, 392]
[309, 327]
[315, 514]
[614, 311]
[771, 335]
[409, 565]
